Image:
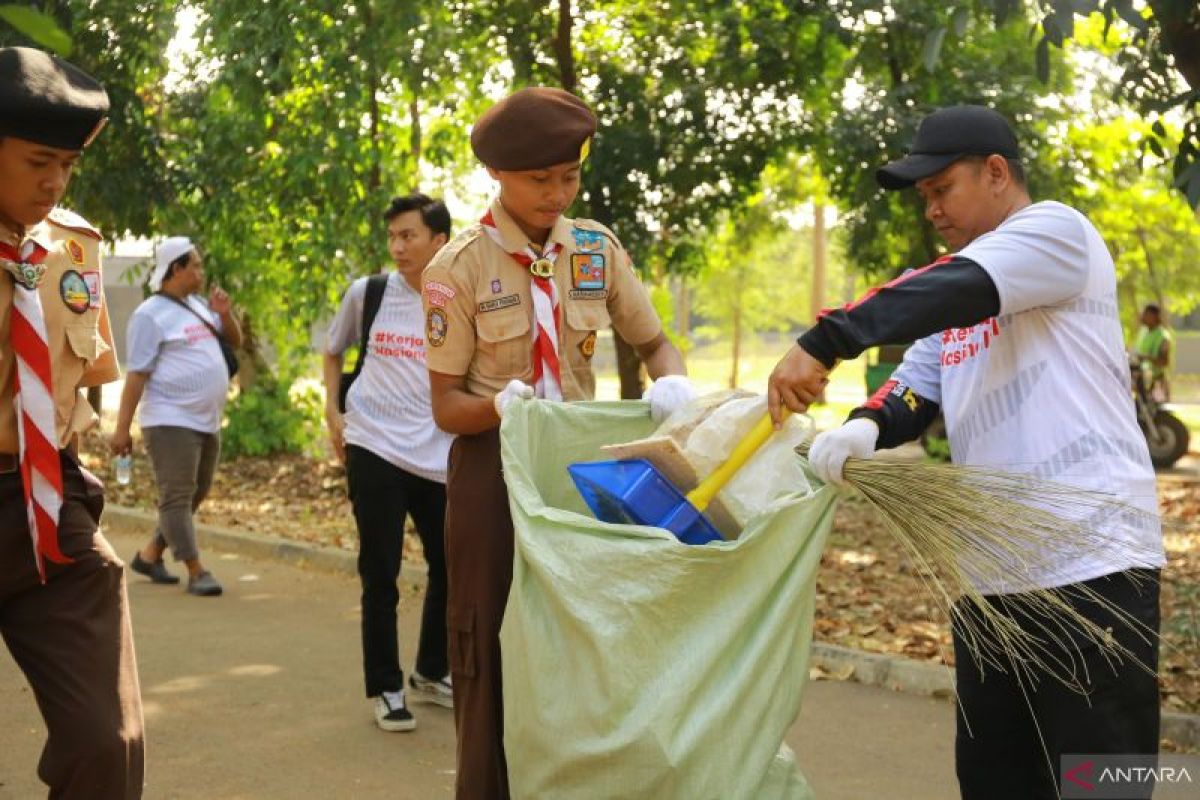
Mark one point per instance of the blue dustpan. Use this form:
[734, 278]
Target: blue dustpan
[632, 492]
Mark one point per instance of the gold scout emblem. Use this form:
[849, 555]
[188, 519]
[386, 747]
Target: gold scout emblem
[588, 346]
[75, 251]
[543, 268]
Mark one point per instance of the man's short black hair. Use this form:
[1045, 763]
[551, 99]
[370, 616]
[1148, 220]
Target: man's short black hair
[1153, 309]
[434, 213]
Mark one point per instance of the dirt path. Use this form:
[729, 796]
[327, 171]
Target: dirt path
[258, 694]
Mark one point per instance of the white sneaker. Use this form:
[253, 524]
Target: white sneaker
[439, 691]
[392, 714]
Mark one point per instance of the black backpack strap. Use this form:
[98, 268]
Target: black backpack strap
[375, 286]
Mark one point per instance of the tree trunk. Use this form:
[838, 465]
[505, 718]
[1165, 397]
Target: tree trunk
[737, 346]
[250, 358]
[414, 128]
[562, 47]
[817, 301]
[683, 321]
[1180, 25]
[375, 177]
[1155, 286]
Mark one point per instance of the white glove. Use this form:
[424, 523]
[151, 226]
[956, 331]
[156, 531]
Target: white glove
[515, 390]
[829, 451]
[668, 394]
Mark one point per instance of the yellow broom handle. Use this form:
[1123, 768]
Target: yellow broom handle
[703, 494]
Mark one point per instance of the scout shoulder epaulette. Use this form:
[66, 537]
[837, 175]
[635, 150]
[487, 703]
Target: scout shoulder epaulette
[451, 251]
[72, 221]
[592, 225]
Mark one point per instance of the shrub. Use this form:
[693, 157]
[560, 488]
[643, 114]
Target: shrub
[273, 416]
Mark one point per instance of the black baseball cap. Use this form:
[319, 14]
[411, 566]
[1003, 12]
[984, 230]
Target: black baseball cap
[944, 137]
[48, 101]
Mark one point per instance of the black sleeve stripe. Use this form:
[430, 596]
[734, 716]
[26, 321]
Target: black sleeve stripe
[953, 292]
[901, 414]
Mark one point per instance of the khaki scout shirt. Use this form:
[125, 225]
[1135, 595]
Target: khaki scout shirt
[80, 338]
[479, 319]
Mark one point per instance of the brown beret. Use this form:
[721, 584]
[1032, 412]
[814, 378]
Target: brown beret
[533, 129]
[45, 100]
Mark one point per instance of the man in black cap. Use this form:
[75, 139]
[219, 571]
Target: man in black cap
[63, 608]
[513, 306]
[1019, 345]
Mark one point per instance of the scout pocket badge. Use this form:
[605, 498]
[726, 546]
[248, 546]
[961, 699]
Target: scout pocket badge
[587, 270]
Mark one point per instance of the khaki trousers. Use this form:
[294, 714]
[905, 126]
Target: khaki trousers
[72, 639]
[479, 558]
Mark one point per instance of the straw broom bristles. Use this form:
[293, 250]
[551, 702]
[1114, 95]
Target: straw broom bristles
[965, 524]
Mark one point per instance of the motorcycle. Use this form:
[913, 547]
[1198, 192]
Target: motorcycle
[1166, 435]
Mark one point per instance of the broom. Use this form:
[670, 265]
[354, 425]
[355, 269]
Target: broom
[965, 525]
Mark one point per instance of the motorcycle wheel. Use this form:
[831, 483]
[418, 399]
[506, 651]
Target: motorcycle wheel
[1173, 440]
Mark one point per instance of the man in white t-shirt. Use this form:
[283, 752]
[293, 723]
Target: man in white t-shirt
[395, 460]
[177, 373]
[1018, 344]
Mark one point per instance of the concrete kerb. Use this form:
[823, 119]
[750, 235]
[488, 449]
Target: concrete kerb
[260, 545]
[874, 669]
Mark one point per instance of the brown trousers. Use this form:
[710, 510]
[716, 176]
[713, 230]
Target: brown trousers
[479, 556]
[72, 639]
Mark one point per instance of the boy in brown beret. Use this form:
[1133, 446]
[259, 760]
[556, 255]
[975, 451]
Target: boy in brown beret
[513, 306]
[63, 609]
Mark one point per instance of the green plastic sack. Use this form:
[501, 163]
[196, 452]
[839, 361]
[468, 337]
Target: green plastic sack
[634, 665]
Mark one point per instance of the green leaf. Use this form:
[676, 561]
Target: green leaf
[1193, 190]
[932, 48]
[962, 17]
[1052, 30]
[1002, 9]
[1158, 129]
[1133, 18]
[1042, 60]
[39, 27]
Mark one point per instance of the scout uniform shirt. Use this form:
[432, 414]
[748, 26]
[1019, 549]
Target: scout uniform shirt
[77, 326]
[479, 305]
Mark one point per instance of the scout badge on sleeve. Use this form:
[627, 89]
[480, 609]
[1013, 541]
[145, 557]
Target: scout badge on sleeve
[75, 293]
[75, 251]
[435, 327]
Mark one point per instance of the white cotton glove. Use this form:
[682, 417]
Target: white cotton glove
[515, 390]
[668, 394]
[829, 451]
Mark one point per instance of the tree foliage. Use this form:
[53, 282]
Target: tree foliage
[121, 183]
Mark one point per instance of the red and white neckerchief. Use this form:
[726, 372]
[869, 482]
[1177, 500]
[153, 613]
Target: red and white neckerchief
[547, 377]
[41, 470]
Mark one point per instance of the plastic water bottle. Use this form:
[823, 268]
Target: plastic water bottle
[123, 466]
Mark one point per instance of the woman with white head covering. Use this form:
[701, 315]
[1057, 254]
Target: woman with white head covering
[176, 370]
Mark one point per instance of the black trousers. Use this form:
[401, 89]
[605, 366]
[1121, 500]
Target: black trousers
[382, 495]
[998, 752]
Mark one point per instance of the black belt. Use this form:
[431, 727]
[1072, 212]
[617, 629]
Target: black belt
[9, 462]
